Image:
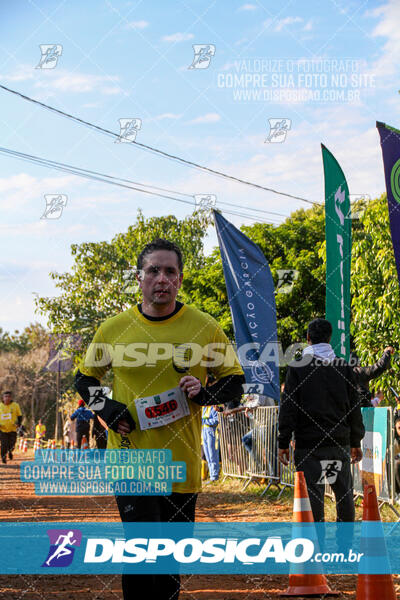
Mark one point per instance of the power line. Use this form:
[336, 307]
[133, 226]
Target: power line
[105, 178]
[155, 150]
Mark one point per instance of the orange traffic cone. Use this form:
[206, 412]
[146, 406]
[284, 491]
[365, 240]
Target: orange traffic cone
[302, 584]
[21, 443]
[25, 446]
[72, 444]
[84, 443]
[53, 444]
[370, 587]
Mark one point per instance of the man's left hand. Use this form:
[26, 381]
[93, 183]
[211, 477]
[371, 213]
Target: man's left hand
[190, 385]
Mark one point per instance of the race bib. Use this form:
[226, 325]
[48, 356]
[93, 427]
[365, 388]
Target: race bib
[5, 417]
[163, 409]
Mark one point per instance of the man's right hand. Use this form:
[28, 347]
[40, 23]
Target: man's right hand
[355, 455]
[123, 427]
[389, 349]
[283, 455]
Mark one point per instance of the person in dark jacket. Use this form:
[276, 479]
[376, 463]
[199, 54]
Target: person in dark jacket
[321, 408]
[363, 375]
[82, 416]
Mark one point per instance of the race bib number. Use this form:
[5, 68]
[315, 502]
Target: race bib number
[5, 417]
[163, 409]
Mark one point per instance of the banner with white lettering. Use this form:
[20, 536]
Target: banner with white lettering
[338, 253]
[251, 296]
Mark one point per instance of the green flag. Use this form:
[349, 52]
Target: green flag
[338, 253]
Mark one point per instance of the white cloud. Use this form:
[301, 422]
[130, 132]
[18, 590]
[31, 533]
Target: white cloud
[23, 190]
[280, 24]
[167, 116]
[178, 37]
[21, 73]
[74, 82]
[137, 25]
[248, 7]
[208, 118]
[388, 27]
[308, 26]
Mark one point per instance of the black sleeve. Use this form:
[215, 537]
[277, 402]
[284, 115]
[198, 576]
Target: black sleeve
[365, 374]
[227, 390]
[357, 429]
[109, 410]
[19, 420]
[288, 409]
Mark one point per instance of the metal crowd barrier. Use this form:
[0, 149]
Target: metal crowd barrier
[248, 445]
[262, 462]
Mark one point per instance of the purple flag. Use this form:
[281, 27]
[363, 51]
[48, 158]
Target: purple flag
[390, 142]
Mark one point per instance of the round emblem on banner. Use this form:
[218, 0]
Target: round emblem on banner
[395, 180]
[261, 372]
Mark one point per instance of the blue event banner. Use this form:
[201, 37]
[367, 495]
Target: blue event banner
[251, 296]
[208, 548]
[103, 472]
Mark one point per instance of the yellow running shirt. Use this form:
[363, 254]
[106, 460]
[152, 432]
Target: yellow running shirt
[40, 431]
[8, 416]
[142, 354]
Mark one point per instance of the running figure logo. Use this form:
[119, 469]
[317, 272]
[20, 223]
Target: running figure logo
[205, 201]
[62, 547]
[203, 54]
[286, 280]
[278, 129]
[54, 206]
[128, 130]
[50, 55]
[329, 471]
[97, 398]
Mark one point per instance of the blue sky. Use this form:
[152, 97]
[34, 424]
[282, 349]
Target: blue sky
[334, 66]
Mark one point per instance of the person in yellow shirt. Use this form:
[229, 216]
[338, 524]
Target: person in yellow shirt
[40, 430]
[10, 419]
[160, 352]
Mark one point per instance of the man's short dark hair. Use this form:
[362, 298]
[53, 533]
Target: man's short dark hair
[319, 331]
[7, 392]
[160, 244]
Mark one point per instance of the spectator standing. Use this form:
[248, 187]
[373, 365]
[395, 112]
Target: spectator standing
[83, 417]
[40, 430]
[321, 408]
[99, 433]
[378, 399]
[209, 420]
[363, 375]
[10, 419]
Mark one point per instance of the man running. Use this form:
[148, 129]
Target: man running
[10, 419]
[160, 349]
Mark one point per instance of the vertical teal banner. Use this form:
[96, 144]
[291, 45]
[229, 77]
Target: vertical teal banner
[338, 253]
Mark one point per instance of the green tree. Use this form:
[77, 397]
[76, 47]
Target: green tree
[94, 288]
[375, 291]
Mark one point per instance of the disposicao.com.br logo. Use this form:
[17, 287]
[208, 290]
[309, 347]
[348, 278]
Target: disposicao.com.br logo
[192, 550]
[199, 548]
